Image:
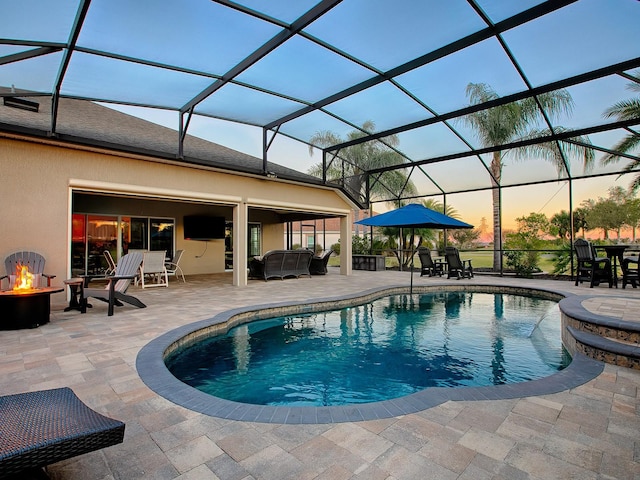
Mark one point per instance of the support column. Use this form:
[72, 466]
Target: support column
[345, 244]
[240, 232]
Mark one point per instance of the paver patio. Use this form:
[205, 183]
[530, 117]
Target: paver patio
[589, 432]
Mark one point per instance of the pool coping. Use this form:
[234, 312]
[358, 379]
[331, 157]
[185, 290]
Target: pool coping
[153, 372]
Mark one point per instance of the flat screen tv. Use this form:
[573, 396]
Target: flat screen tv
[203, 227]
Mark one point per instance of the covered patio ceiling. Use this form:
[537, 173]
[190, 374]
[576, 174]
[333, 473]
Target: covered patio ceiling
[363, 70]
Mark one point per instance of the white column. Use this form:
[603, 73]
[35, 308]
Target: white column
[345, 244]
[240, 225]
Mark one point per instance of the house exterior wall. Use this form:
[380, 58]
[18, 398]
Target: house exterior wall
[38, 179]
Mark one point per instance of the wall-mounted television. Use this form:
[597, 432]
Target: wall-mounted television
[203, 227]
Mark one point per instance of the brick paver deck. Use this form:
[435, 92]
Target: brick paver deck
[591, 431]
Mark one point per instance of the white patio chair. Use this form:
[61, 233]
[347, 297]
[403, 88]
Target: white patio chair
[173, 267]
[153, 267]
[111, 264]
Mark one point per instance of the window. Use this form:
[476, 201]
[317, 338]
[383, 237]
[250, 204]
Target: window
[93, 234]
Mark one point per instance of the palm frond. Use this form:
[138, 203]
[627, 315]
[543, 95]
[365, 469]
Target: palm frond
[626, 145]
[624, 110]
[549, 151]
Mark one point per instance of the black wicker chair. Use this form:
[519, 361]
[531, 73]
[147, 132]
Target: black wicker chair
[47, 426]
[318, 264]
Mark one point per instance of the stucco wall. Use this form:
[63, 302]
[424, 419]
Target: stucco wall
[37, 181]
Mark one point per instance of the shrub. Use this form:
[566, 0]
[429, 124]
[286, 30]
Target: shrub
[360, 245]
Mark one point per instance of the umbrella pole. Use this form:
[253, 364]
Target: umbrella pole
[412, 254]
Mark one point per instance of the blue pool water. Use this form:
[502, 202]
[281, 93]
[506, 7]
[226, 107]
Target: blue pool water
[391, 347]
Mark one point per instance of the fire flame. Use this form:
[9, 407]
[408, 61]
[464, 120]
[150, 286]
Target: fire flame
[24, 279]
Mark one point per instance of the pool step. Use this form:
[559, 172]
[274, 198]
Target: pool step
[608, 339]
[607, 349]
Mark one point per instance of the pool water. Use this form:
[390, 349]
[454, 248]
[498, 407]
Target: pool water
[391, 347]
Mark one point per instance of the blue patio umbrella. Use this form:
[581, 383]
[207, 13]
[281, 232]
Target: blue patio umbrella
[414, 216]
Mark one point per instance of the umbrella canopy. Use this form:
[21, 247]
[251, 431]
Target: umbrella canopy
[414, 215]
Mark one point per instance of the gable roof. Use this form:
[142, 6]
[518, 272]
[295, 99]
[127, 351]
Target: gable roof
[89, 123]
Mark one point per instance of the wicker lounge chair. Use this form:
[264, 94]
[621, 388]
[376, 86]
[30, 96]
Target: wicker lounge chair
[47, 426]
[456, 267]
[428, 265]
[318, 264]
[117, 285]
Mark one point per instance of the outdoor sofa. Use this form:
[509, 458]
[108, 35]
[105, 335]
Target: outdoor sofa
[281, 264]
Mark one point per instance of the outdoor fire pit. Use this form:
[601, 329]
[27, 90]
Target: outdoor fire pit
[25, 305]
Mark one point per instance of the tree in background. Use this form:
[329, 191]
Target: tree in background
[632, 208]
[522, 246]
[607, 213]
[518, 121]
[484, 229]
[465, 238]
[358, 159]
[580, 220]
[627, 110]
[560, 225]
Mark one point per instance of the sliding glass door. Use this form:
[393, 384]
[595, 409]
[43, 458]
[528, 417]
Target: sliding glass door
[93, 234]
[254, 243]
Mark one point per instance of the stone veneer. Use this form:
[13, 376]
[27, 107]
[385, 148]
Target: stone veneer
[601, 337]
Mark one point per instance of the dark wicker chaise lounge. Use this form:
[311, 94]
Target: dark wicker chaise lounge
[47, 426]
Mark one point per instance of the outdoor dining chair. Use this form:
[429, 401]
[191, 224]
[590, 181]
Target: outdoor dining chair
[455, 266]
[591, 268]
[428, 265]
[630, 271]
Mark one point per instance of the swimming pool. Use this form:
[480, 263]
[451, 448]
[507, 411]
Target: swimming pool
[150, 365]
[387, 348]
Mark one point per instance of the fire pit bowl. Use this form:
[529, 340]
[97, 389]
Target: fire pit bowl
[25, 308]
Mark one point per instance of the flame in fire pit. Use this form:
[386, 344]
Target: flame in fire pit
[24, 279]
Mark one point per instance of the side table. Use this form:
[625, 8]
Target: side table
[75, 286]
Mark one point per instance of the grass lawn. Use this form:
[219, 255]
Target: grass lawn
[479, 259]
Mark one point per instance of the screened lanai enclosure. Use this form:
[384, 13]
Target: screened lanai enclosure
[495, 109]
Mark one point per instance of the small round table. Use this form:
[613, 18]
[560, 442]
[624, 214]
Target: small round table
[75, 286]
[26, 308]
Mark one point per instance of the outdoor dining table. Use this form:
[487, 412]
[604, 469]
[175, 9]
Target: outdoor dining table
[615, 253]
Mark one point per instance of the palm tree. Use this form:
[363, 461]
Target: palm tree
[627, 110]
[358, 159]
[517, 121]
